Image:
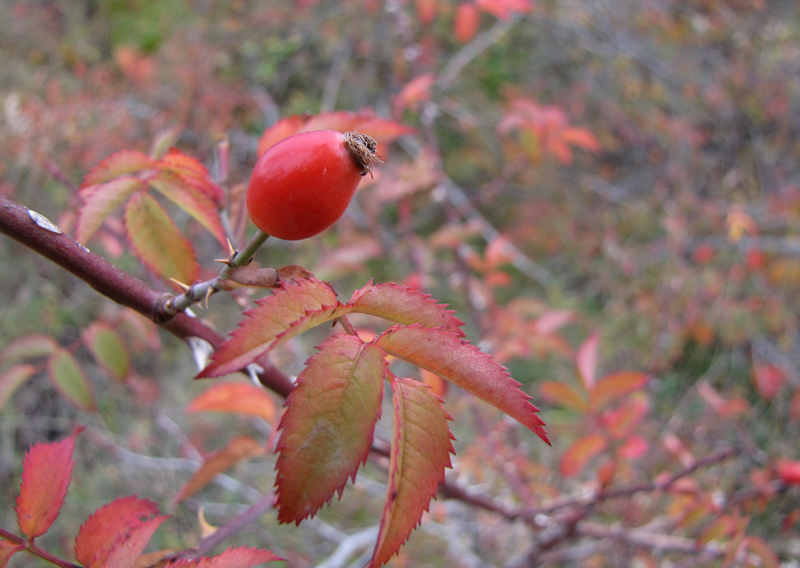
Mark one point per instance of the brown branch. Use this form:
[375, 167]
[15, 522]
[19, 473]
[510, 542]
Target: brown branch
[21, 224]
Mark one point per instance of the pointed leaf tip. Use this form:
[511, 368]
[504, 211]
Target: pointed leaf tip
[463, 364]
[405, 306]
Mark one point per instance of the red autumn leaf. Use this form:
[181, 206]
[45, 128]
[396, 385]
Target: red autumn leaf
[621, 421]
[789, 471]
[108, 349]
[231, 558]
[7, 550]
[69, 379]
[46, 472]
[238, 449]
[456, 360]
[158, 242]
[768, 379]
[426, 10]
[760, 548]
[563, 395]
[193, 173]
[120, 163]
[100, 201]
[284, 128]
[195, 202]
[586, 361]
[580, 453]
[404, 305]
[633, 448]
[415, 92]
[241, 398]
[552, 320]
[26, 347]
[127, 546]
[467, 21]
[502, 9]
[421, 448]
[11, 379]
[616, 386]
[102, 527]
[580, 137]
[327, 429]
[273, 315]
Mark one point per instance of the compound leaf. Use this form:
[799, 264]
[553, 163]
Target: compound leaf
[404, 305]
[455, 359]
[327, 429]
[272, 316]
[421, 448]
[158, 242]
[100, 530]
[46, 472]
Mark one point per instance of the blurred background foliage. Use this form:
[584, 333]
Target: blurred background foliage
[667, 218]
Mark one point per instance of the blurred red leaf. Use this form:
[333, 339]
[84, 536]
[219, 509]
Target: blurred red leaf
[614, 386]
[768, 379]
[46, 472]
[789, 471]
[32, 346]
[622, 420]
[413, 94]
[239, 448]
[502, 9]
[241, 398]
[634, 447]
[586, 361]
[468, 18]
[420, 429]
[563, 394]
[581, 453]
[102, 527]
[120, 163]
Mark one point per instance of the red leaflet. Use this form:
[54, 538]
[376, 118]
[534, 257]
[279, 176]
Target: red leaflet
[274, 315]
[421, 448]
[120, 163]
[46, 472]
[789, 471]
[158, 242]
[102, 527]
[242, 398]
[192, 173]
[464, 365]
[327, 429]
[196, 202]
[404, 305]
[100, 201]
[126, 547]
[231, 558]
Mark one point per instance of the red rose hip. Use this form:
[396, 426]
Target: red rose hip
[303, 184]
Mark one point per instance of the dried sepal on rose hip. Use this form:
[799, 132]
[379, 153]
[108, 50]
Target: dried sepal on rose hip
[303, 184]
